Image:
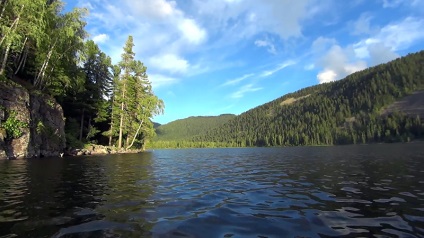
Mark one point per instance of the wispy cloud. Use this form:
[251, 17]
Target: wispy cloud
[237, 80]
[362, 25]
[243, 90]
[170, 63]
[267, 44]
[281, 66]
[396, 36]
[159, 80]
[391, 3]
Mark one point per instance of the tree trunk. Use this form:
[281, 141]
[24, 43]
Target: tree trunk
[21, 56]
[121, 123]
[81, 125]
[111, 124]
[22, 62]
[40, 75]
[89, 128]
[4, 62]
[136, 134]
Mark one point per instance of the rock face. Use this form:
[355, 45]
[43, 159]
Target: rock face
[45, 133]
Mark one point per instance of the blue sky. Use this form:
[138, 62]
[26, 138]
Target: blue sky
[209, 57]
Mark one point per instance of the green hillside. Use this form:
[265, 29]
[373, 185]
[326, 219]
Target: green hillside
[184, 129]
[342, 112]
[348, 111]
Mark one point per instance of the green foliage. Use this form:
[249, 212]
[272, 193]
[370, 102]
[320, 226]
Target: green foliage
[45, 48]
[92, 132]
[134, 103]
[13, 126]
[73, 142]
[40, 127]
[50, 102]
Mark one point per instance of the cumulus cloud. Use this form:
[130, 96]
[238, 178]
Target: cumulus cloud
[402, 34]
[267, 44]
[338, 63]
[170, 63]
[174, 36]
[378, 48]
[243, 90]
[382, 47]
[101, 38]
[380, 53]
[191, 31]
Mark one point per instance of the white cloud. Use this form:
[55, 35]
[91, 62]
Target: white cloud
[278, 68]
[247, 18]
[382, 47]
[186, 38]
[158, 10]
[322, 44]
[338, 63]
[327, 75]
[379, 48]
[191, 31]
[267, 44]
[237, 80]
[380, 53]
[170, 63]
[159, 80]
[403, 34]
[243, 90]
[101, 38]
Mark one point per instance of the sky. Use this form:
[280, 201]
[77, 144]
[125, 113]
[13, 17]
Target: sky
[211, 57]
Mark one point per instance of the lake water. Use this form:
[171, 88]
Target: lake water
[342, 191]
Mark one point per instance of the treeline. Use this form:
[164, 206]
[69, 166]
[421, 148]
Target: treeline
[348, 111]
[48, 51]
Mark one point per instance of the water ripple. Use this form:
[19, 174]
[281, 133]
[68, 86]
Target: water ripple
[349, 191]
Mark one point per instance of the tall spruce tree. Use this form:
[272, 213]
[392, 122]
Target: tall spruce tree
[137, 103]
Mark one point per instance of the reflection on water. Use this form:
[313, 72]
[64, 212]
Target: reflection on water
[351, 191]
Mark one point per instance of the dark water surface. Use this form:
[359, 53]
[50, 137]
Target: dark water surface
[351, 191]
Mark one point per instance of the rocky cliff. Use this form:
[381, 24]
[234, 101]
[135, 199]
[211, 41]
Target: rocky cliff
[31, 124]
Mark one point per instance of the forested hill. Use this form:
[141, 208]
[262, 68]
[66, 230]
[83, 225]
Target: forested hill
[184, 129]
[342, 112]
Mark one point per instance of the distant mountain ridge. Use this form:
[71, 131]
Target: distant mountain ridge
[183, 129]
[347, 111]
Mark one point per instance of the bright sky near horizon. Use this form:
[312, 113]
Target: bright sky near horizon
[209, 57]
